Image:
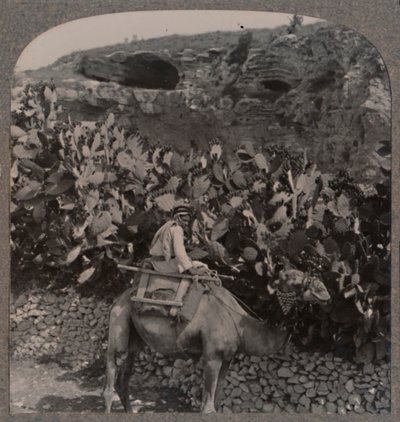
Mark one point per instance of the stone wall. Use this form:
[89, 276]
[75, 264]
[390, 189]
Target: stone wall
[72, 330]
[67, 328]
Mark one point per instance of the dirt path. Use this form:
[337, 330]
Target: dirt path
[48, 388]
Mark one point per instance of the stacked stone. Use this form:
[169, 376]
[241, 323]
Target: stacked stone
[72, 331]
[298, 383]
[152, 370]
[67, 328]
[36, 324]
[306, 383]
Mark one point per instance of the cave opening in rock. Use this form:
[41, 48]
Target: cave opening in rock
[276, 85]
[138, 70]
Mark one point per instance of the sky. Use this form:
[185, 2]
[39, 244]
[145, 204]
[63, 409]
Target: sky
[99, 31]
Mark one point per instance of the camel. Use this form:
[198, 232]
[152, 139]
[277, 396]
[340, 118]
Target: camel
[219, 329]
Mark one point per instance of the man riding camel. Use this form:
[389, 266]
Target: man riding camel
[167, 250]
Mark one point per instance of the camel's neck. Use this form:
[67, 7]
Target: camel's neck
[259, 339]
[255, 337]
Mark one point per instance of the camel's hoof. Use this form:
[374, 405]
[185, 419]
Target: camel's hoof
[208, 411]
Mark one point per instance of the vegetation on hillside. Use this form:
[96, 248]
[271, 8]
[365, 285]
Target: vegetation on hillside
[175, 44]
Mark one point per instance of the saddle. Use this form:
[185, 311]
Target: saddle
[171, 295]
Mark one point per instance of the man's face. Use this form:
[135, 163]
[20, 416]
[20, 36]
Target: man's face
[184, 220]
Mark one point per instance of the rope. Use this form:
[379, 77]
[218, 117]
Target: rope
[247, 308]
[214, 274]
[234, 310]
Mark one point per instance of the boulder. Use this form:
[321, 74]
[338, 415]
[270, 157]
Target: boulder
[349, 386]
[268, 408]
[140, 69]
[285, 373]
[331, 407]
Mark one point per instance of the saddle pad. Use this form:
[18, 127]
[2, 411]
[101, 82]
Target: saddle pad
[186, 313]
[148, 308]
[162, 282]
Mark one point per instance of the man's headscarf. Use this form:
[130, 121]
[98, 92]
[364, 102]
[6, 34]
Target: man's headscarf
[182, 210]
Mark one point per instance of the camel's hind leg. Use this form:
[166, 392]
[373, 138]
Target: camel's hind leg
[124, 363]
[121, 338]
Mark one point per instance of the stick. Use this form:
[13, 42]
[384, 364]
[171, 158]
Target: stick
[157, 301]
[175, 275]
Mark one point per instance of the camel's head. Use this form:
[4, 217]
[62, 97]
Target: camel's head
[295, 285]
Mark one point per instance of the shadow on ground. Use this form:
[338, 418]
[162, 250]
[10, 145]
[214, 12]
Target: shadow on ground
[45, 387]
[87, 378]
[161, 400]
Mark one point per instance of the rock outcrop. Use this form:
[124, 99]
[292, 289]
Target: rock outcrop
[326, 91]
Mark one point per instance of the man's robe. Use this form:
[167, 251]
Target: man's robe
[168, 250]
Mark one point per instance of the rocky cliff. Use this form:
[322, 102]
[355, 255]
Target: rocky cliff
[326, 90]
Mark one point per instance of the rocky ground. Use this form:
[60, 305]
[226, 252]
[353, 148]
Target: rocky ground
[69, 330]
[297, 383]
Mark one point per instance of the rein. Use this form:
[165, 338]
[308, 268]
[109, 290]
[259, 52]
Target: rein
[246, 307]
[214, 274]
[286, 299]
[242, 338]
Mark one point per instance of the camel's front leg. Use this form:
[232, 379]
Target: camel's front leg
[221, 379]
[108, 393]
[211, 374]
